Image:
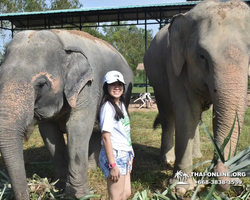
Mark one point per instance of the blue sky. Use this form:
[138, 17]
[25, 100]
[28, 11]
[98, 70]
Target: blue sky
[108, 3]
[112, 3]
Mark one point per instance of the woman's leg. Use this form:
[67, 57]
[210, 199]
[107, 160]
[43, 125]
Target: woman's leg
[127, 187]
[116, 189]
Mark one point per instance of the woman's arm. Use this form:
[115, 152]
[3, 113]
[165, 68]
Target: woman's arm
[114, 172]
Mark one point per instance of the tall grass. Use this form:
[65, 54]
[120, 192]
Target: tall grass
[149, 176]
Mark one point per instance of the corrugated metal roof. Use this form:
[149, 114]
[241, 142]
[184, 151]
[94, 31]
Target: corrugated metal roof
[99, 9]
[78, 18]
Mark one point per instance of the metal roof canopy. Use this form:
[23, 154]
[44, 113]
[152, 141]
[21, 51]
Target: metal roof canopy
[78, 18]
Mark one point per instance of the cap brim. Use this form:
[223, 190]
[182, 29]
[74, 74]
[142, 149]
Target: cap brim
[109, 82]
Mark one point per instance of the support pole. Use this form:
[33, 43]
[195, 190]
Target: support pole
[80, 28]
[145, 52]
[12, 29]
[146, 48]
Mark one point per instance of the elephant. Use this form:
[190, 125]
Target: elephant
[54, 79]
[199, 59]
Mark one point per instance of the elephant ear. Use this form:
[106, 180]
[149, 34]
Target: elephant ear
[79, 74]
[178, 36]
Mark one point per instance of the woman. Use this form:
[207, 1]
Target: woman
[116, 154]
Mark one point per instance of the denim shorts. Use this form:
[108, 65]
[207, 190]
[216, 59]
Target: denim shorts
[122, 159]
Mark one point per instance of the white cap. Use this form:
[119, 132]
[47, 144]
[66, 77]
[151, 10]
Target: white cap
[113, 76]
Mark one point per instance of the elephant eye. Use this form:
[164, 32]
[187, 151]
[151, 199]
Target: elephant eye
[202, 57]
[41, 84]
[206, 64]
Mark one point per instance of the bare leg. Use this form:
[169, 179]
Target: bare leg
[127, 187]
[121, 189]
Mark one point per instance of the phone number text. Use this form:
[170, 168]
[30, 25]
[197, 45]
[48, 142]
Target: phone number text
[218, 182]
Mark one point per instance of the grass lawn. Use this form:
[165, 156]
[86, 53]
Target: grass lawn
[148, 173]
[142, 89]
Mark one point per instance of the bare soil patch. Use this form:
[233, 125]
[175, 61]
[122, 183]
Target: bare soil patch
[135, 108]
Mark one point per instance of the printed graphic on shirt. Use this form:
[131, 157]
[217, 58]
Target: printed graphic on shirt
[126, 124]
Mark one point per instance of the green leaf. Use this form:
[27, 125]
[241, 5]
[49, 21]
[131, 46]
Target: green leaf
[2, 193]
[162, 196]
[210, 194]
[239, 166]
[230, 148]
[173, 185]
[238, 121]
[197, 188]
[201, 163]
[228, 137]
[216, 196]
[165, 192]
[246, 195]
[89, 196]
[221, 157]
[223, 196]
[242, 159]
[237, 156]
[4, 175]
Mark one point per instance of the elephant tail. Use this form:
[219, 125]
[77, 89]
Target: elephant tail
[157, 122]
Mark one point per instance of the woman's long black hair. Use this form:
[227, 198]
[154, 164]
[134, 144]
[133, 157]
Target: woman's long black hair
[107, 97]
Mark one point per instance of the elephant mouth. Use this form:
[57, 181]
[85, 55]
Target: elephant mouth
[37, 116]
[29, 129]
[206, 105]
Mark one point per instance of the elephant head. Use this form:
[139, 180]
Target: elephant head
[211, 45]
[39, 77]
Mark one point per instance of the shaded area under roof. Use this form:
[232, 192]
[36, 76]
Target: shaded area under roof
[77, 18]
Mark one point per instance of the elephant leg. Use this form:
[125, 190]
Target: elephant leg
[167, 154]
[79, 127]
[186, 122]
[94, 148]
[55, 143]
[196, 145]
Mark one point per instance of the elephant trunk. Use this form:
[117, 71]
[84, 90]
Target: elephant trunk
[12, 153]
[224, 114]
[229, 94]
[16, 113]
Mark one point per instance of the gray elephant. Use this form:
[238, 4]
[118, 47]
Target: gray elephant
[200, 58]
[54, 79]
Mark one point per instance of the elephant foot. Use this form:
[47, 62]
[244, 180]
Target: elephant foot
[183, 185]
[76, 192]
[60, 183]
[221, 168]
[197, 154]
[168, 157]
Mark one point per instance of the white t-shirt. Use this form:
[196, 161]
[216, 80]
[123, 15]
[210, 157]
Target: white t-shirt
[120, 130]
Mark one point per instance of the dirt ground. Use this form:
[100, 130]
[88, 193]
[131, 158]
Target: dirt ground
[135, 108]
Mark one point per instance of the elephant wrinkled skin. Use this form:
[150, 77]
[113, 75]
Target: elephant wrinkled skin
[200, 58]
[54, 79]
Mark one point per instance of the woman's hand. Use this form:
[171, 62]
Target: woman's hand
[114, 174]
[130, 162]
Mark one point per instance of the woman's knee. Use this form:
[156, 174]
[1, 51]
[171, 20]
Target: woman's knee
[126, 195]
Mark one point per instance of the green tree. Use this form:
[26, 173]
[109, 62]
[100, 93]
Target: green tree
[14, 6]
[64, 4]
[35, 5]
[93, 30]
[10, 6]
[129, 40]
